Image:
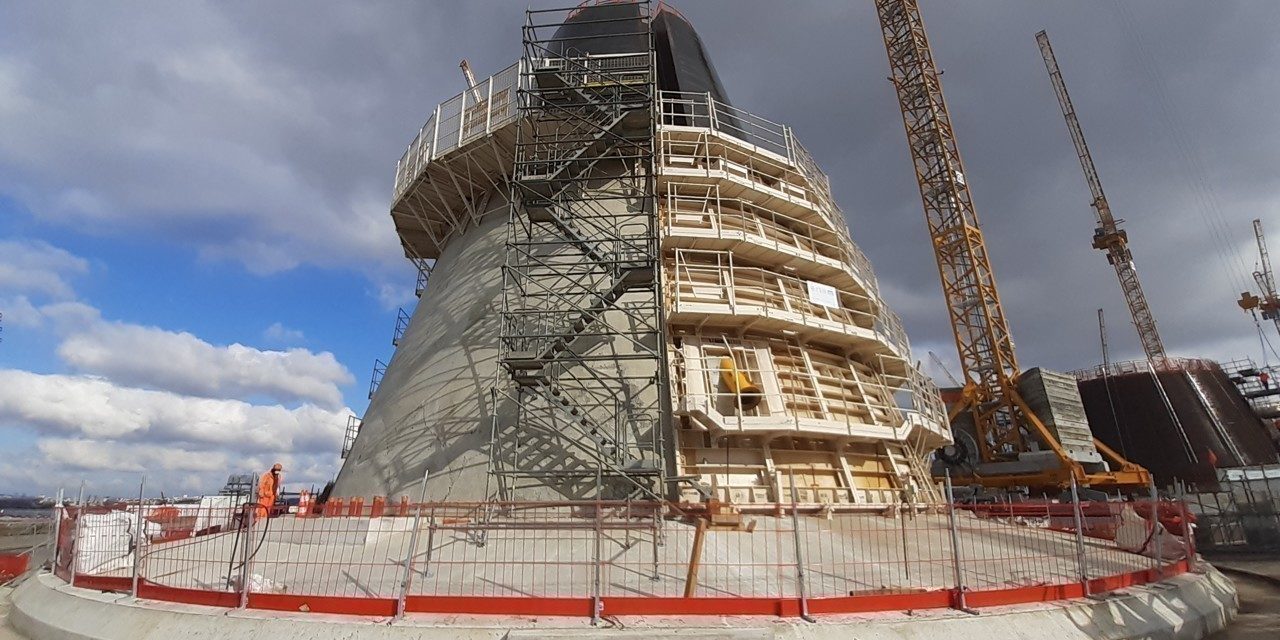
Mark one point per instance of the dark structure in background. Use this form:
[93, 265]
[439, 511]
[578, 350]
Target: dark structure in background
[1214, 427]
[1261, 387]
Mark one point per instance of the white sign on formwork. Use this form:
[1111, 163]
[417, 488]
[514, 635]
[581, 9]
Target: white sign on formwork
[823, 294]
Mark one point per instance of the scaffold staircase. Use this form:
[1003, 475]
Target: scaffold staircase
[583, 350]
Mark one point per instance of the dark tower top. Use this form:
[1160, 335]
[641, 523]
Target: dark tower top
[600, 27]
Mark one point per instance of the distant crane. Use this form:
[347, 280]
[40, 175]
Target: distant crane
[1269, 303]
[1106, 379]
[1102, 336]
[945, 371]
[471, 81]
[1108, 236]
[1004, 424]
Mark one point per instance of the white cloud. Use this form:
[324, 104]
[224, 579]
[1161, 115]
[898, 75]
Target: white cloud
[178, 123]
[36, 267]
[281, 334]
[95, 455]
[35, 283]
[111, 469]
[71, 316]
[82, 407]
[92, 428]
[394, 296]
[152, 357]
[183, 363]
[18, 311]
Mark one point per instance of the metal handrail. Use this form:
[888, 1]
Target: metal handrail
[1165, 364]
[762, 222]
[776, 292]
[454, 123]
[700, 110]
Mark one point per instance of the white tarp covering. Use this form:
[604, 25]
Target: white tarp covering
[214, 511]
[1135, 534]
[258, 584]
[104, 541]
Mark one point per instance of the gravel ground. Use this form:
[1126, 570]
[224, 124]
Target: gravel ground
[1259, 616]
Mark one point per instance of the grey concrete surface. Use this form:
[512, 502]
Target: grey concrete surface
[1259, 616]
[1267, 568]
[7, 632]
[843, 553]
[1257, 579]
[431, 411]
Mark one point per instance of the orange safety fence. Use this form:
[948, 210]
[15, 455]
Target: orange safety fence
[592, 558]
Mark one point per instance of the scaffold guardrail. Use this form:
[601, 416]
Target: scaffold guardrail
[349, 437]
[402, 325]
[1160, 365]
[442, 134]
[375, 380]
[459, 121]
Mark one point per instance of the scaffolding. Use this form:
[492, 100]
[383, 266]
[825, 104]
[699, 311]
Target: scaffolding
[583, 346]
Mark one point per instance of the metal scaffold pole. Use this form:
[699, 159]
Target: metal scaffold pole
[139, 536]
[75, 537]
[407, 582]
[801, 578]
[1076, 512]
[250, 510]
[59, 512]
[956, 566]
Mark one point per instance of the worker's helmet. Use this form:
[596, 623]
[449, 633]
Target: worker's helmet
[277, 467]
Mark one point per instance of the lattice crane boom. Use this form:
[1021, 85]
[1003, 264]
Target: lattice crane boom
[985, 346]
[1268, 277]
[1108, 236]
[1002, 419]
[945, 371]
[1269, 303]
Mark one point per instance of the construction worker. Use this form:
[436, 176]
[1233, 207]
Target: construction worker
[268, 489]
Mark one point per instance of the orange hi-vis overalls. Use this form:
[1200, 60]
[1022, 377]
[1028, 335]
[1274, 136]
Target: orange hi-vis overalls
[267, 491]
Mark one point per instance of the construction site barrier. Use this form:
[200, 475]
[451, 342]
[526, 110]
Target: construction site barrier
[596, 558]
[13, 565]
[21, 540]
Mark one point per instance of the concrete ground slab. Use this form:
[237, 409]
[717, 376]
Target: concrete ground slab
[1188, 606]
[842, 554]
[6, 632]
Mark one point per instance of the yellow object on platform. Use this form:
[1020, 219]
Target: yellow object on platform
[747, 392]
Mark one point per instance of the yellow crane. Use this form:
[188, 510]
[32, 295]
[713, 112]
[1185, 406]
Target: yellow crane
[1005, 426]
[1269, 303]
[1108, 236]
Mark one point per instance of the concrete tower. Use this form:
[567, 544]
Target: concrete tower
[631, 288]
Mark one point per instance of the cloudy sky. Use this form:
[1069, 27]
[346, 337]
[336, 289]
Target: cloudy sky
[197, 268]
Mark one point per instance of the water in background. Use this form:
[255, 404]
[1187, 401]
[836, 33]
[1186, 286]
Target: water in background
[25, 513]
